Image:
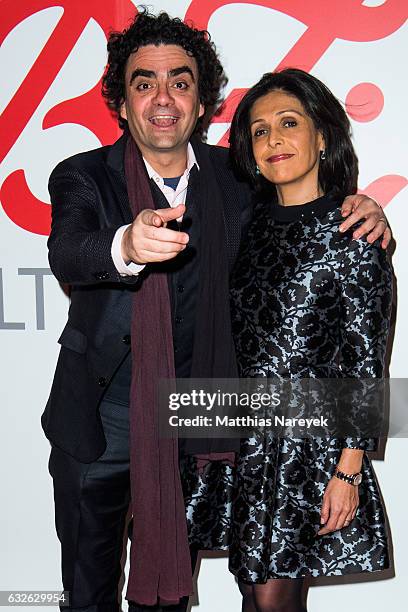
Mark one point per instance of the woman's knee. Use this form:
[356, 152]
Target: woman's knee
[278, 596]
[269, 606]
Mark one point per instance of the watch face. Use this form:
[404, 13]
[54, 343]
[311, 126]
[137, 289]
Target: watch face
[358, 479]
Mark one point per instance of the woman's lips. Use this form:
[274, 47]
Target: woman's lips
[277, 158]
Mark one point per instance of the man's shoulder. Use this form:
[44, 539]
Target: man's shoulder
[237, 193]
[220, 159]
[222, 164]
[217, 154]
[87, 162]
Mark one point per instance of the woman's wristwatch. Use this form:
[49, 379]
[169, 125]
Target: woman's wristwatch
[353, 479]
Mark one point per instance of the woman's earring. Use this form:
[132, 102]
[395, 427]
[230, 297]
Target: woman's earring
[323, 155]
[257, 170]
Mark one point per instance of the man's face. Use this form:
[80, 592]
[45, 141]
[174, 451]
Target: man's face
[162, 103]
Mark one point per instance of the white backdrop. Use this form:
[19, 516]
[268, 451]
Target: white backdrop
[346, 43]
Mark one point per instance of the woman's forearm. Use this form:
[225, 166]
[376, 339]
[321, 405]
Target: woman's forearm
[350, 460]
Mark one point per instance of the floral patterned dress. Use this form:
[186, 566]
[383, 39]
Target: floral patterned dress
[307, 301]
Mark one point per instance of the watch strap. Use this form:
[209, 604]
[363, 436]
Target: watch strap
[353, 479]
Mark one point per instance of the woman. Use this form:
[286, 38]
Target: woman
[307, 302]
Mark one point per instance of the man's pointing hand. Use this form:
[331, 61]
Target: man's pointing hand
[147, 240]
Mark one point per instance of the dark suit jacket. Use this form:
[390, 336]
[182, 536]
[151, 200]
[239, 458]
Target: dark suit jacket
[89, 203]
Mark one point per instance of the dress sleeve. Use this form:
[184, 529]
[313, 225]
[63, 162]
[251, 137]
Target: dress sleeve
[366, 297]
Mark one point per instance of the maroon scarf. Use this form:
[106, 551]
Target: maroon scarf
[160, 565]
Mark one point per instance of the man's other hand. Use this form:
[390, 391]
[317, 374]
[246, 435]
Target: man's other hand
[359, 206]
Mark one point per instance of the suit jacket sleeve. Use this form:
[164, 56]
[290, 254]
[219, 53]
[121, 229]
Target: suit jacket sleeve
[81, 237]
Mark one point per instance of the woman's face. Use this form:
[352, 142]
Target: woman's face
[285, 143]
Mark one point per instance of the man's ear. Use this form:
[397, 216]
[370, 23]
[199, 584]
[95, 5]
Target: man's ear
[202, 110]
[122, 111]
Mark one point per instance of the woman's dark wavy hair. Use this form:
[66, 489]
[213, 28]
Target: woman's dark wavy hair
[339, 171]
[149, 29]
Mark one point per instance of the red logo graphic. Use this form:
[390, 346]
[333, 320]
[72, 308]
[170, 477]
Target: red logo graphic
[326, 22]
[89, 109]
[339, 19]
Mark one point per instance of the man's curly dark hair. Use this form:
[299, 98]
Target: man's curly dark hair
[150, 29]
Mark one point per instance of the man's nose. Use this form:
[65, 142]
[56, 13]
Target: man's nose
[163, 95]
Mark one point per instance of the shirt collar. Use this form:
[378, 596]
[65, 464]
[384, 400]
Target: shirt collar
[191, 161]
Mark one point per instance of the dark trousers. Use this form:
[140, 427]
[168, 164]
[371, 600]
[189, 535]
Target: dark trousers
[91, 504]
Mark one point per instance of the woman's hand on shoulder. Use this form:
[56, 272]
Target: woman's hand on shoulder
[339, 507]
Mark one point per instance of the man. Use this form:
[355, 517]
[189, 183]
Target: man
[152, 280]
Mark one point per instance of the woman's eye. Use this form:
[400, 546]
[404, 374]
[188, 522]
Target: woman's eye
[259, 132]
[289, 123]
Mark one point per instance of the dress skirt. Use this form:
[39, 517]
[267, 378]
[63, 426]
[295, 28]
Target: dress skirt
[266, 512]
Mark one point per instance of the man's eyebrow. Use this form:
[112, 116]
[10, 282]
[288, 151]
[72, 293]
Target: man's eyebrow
[287, 110]
[176, 71]
[148, 74]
